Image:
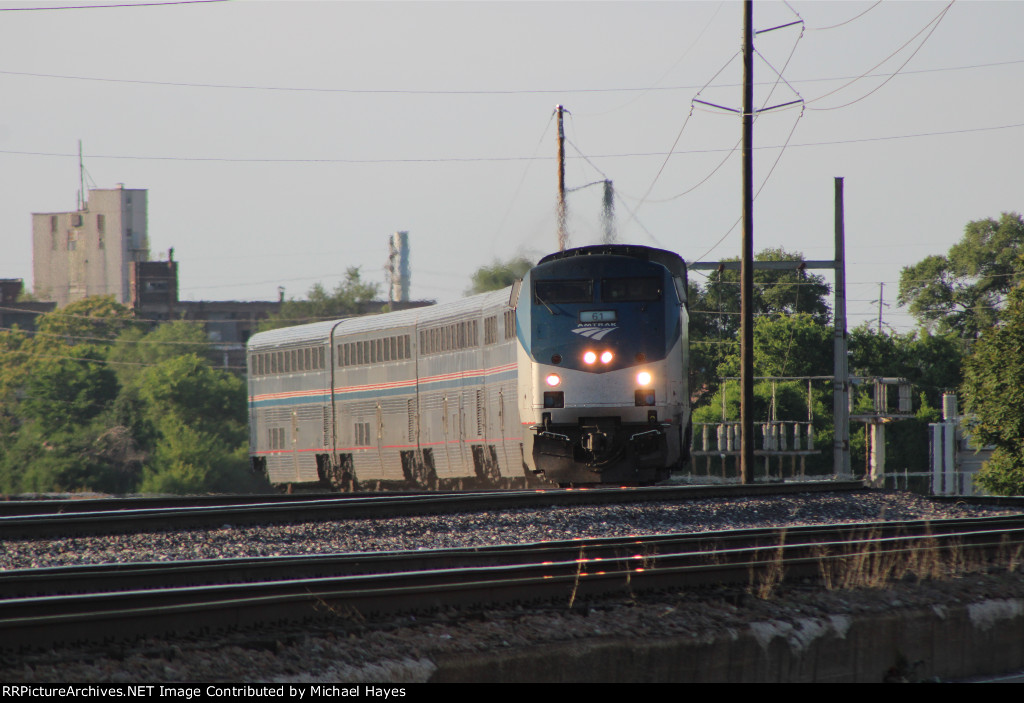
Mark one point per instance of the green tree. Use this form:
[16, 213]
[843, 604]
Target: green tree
[715, 307]
[68, 391]
[188, 461]
[321, 305]
[786, 345]
[993, 391]
[185, 390]
[776, 292]
[931, 362]
[88, 320]
[15, 351]
[194, 425]
[500, 274]
[60, 435]
[136, 348]
[964, 291]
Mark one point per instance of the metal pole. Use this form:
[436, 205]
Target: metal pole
[747, 261]
[881, 297]
[81, 179]
[608, 212]
[841, 384]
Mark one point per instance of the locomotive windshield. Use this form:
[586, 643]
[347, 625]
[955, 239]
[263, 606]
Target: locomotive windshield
[616, 290]
[580, 291]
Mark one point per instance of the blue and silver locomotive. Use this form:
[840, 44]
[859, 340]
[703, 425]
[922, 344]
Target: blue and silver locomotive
[603, 357]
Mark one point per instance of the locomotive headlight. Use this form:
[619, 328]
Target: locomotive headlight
[606, 357]
[589, 357]
[643, 378]
[553, 379]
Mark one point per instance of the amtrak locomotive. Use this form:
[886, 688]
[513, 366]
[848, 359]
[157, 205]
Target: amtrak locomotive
[576, 375]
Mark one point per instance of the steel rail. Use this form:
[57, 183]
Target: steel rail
[83, 522]
[96, 578]
[45, 621]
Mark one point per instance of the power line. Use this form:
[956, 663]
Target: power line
[934, 24]
[484, 159]
[834, 26]
[492, 91]
[36, 8]
[108, 340]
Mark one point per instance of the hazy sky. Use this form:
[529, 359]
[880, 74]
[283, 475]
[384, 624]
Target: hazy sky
[282, 142]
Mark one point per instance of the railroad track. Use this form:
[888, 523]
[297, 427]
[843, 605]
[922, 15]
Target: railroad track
[348, 589]
[35, 519]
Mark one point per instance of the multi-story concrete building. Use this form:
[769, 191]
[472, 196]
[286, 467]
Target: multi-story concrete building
[21, 314]
[90, 251]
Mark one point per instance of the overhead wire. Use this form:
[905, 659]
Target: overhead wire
[639, 154]
[779, 77]
[764, 182]
[111, 6]
[933, 23]
[835, 26]
[679, 135]
[525, 91]
[671, 68]
[522, 179]
[109, 340]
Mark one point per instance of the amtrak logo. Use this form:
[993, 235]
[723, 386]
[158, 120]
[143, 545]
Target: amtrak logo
[595, 333]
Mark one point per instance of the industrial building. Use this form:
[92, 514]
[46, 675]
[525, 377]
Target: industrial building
[89, 251]
[19, 313]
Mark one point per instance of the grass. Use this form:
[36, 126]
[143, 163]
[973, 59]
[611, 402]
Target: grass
[867, 561]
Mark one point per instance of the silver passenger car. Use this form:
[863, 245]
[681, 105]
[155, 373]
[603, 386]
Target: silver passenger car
[423, 397]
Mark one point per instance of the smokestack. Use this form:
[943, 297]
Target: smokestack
[398, 267]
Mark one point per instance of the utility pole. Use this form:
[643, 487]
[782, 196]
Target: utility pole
[563, 235]
[881, 294]
[608, 213]
[81, 179]
[747, 260]
[841, 382]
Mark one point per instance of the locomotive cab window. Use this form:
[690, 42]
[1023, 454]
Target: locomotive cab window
[563, 292]
[628, 290]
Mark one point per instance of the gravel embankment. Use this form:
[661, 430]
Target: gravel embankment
[410, 649]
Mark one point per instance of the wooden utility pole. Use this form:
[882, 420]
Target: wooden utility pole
[747, 260]
[563, 235]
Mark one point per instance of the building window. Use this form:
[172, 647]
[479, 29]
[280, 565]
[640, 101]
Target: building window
[101, 224]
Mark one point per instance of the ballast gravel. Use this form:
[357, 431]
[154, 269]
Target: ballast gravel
[409, 649]
[480, 529]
